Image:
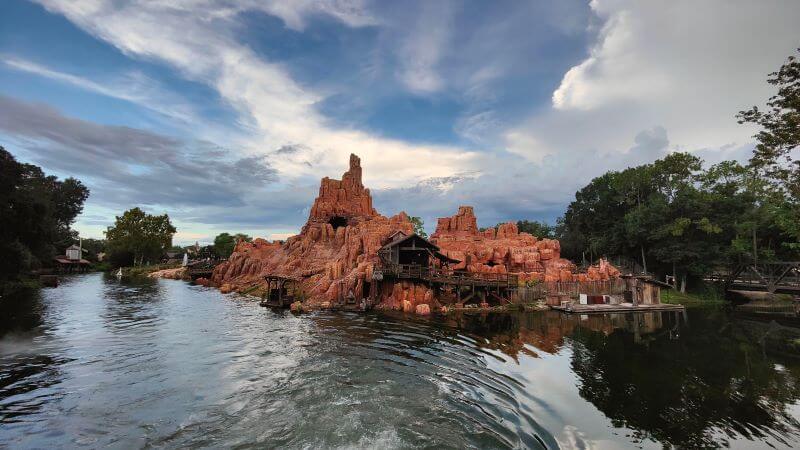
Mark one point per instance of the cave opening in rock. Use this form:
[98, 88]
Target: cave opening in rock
[337, 221]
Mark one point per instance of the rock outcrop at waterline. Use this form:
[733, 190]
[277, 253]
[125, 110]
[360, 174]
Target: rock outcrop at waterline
[334, 255]
[172, 274]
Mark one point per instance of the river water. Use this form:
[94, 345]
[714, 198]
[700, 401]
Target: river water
[99, 362]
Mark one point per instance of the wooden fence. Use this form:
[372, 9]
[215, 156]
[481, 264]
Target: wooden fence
[539, 291]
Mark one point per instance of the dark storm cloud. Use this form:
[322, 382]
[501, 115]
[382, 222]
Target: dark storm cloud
[125, 166]
[286, 209]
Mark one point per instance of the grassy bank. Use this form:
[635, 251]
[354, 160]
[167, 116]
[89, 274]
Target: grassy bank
[703, 297]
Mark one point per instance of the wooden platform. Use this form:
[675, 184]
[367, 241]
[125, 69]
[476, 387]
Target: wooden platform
[620, 308]
[275, 304]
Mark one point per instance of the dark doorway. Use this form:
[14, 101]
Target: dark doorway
[337, 221]
[419, 257]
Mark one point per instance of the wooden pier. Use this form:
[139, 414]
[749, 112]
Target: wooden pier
[619, 308]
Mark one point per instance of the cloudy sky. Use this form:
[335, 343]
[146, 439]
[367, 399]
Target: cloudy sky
[225, 113]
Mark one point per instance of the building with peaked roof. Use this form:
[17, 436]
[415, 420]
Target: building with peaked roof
[72, 260]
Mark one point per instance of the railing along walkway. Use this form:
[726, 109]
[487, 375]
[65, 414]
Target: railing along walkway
[437, 275]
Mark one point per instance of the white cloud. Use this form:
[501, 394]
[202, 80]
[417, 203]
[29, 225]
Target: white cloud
[615, 70]
[423, 47]
[350, 12]
[133, 87]
[196, 37]
[685, 65]
[658, 76]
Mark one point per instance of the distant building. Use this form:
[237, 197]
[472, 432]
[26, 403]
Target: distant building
[72, 260]
[172, 258]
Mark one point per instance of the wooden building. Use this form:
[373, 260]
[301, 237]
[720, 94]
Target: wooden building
[72, 261]
[643, 289]
[412, 250]
[416, 259]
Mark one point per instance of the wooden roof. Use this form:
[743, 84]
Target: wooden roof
[401, 238]
[648, 279]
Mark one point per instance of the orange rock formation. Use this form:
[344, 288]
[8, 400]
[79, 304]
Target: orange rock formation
[505, 250]
[335, 253]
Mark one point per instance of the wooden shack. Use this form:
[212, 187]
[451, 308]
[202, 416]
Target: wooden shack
[643, 289]
[71, 261]
[412, 251]
[280, 292]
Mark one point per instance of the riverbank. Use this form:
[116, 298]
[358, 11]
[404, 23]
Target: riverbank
[145, 271]
[704, 298]
[172, 273]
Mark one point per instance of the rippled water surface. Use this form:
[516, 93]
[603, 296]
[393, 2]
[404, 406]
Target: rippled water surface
[101, 363]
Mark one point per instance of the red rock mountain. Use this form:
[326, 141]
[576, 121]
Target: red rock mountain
[336, 251]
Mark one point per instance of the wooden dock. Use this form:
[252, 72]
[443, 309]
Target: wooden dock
[619, 308]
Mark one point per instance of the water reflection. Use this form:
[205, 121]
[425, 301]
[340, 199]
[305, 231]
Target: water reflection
[100, 362]
[21, 311]
[704, 385]
[548, 331]
[712, 385]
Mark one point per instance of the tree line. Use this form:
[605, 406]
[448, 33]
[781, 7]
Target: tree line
[138, 238]
[37, 212]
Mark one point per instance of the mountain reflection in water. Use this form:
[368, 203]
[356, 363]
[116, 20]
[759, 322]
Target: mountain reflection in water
[100, 362]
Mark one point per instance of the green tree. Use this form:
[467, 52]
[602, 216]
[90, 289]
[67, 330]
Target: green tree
[536, 228]
[673, 217]
[137, 237]
[37, 212]
[419, 226]
[774, 157]
[93, 247]
[224, 243]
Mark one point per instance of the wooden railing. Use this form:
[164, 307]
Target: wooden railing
[448, 276]
[541, 290]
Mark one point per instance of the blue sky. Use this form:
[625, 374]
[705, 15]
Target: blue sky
[226, 113]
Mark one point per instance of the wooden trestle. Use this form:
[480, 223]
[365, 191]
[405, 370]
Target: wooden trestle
[781, 277]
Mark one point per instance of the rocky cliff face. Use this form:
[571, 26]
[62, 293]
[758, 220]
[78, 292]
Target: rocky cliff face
[505, 250]
[335, 253]
[344, 201]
